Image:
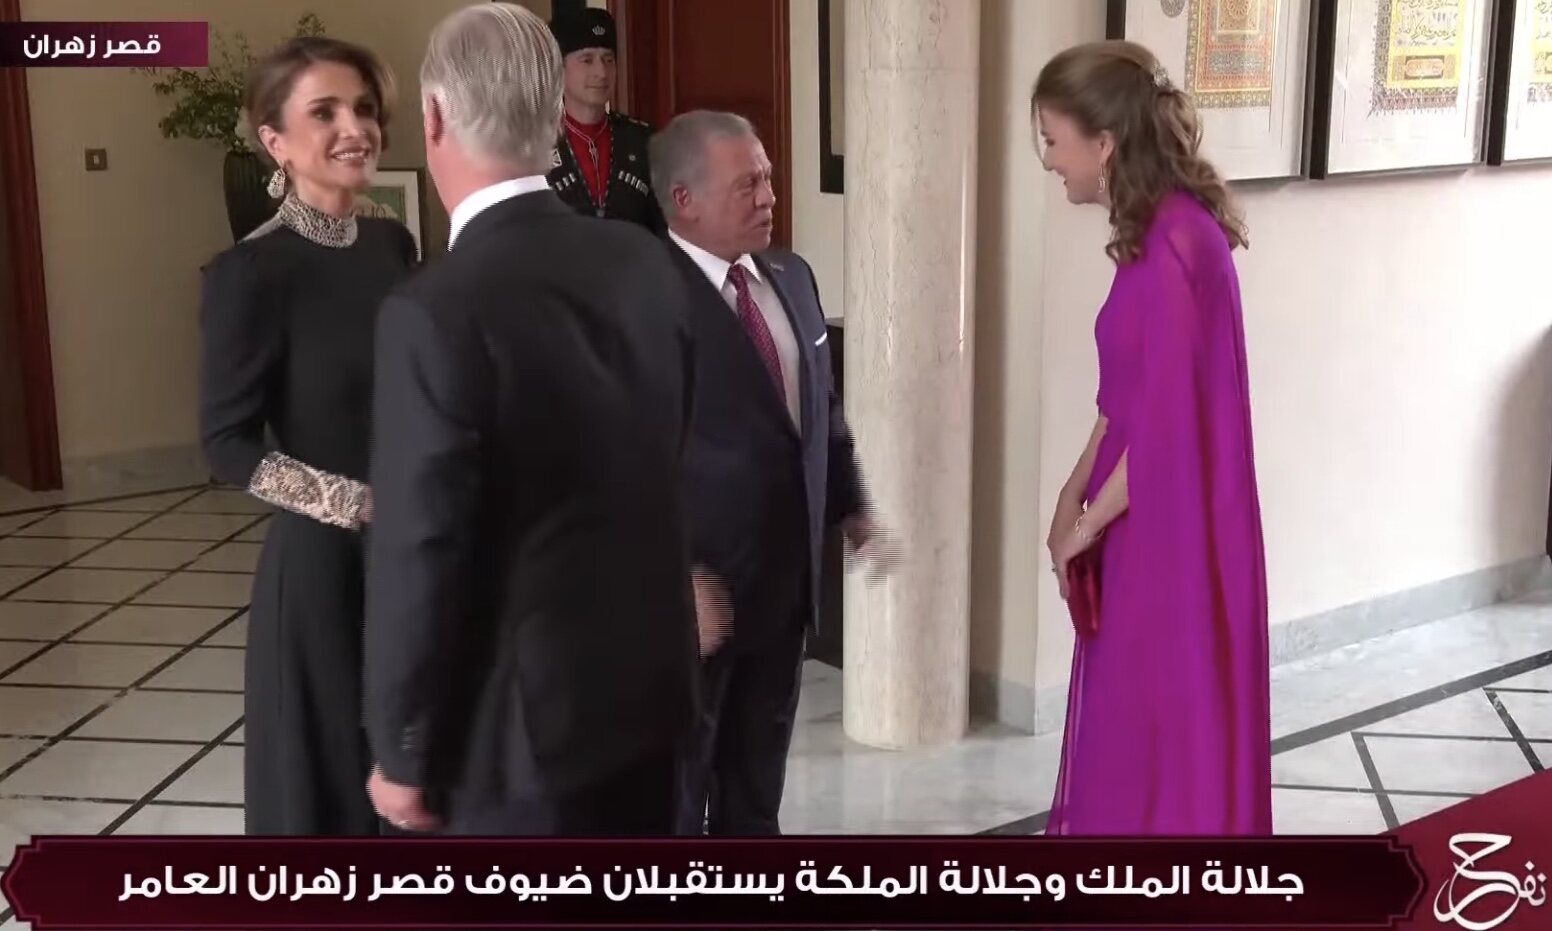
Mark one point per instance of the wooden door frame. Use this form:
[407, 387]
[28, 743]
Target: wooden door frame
[20, 184]
[649, 88]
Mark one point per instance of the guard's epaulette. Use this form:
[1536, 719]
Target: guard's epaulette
[639, 124]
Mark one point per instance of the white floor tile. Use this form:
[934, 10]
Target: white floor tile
[45, 552]
[1425, 765]
[230, 557]
[166, 716]
[234, 634]
[145, 504]
[87, 769]
[1537, 679]
[1410, 808]
[144, 554]
[203, 669]
[192, 527]
[183, 819]
[1300, 811]
[13, 750]
[10, 523]
[1332, 763]
[27, 620]
[91, 665]
[1532, 713]
[201, 589]
[96, 586]
[26, 710]
[1469, 714]
[22, 820]
[216, 778]
[225, 501]
[90, 524]
[13, 652]
[14, 577]
[142, 624]
[254, 534]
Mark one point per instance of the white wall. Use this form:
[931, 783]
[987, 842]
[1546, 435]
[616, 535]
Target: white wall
[818, 219]
[1398, 347]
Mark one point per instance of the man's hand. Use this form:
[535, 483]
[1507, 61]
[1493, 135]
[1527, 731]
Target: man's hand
[870, 543]
[713, 610]
[404, 807]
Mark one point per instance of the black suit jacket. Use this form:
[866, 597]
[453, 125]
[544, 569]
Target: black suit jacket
[530, 627]
[762, 490]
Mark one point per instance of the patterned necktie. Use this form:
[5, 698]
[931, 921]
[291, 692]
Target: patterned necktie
[754, 324]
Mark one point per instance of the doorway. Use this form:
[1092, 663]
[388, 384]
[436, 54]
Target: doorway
[29, 432]
[680, 55]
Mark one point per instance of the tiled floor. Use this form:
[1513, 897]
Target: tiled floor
[122, 628]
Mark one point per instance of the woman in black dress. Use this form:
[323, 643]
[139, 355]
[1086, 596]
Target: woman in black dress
[285, 397]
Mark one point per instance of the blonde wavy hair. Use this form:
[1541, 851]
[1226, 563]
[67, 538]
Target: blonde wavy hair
[1121, 88]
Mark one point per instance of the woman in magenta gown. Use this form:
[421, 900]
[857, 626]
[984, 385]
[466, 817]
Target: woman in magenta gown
[1168, 728]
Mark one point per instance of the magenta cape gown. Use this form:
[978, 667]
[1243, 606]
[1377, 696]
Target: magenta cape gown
[1168, 720]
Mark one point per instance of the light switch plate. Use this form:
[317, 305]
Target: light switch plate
[96, 159]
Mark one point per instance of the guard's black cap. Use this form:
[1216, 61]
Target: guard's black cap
[589, 27]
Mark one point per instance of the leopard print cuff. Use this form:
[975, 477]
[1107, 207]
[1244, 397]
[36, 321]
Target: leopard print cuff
[295, 486]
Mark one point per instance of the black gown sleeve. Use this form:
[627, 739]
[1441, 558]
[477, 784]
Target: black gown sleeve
[241, 340]
[241, 354]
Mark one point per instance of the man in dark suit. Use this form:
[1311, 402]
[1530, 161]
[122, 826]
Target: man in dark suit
[600, 160]
[530, 640]
[770, 465]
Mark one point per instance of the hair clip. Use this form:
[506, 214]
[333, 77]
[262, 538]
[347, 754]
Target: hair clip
[1160, 77]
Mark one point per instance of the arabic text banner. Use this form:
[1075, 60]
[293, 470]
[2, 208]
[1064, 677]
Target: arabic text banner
[104, 45]
[993, 882]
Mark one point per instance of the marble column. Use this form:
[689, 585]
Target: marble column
[911, 120]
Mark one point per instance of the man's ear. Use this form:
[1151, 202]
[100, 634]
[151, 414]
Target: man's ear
[433, 122]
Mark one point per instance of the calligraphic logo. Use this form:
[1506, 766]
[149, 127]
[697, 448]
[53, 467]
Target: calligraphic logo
[1470, 886]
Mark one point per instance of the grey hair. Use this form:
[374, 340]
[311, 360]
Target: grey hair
[677, 153]
[495, 70]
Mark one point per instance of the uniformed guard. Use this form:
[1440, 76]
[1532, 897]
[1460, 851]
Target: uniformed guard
[600, 161]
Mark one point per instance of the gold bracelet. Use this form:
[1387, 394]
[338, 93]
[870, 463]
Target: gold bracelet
[1077, 527]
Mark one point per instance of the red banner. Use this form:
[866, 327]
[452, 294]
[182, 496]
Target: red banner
[104, 45]
[991, 882]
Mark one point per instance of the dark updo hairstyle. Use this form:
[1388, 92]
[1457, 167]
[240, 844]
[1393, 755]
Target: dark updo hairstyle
[273, 77]
[1121, 88]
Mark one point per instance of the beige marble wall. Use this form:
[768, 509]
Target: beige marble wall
[911, 91]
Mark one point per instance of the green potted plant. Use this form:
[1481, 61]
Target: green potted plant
[208, 106]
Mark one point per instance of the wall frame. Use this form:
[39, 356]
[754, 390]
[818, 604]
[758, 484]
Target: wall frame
[832, 96]
[1519, 122]
[399, 194]
[1246, 65]
[1400, 85]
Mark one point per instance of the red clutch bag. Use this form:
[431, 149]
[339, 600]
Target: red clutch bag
[1083, 594]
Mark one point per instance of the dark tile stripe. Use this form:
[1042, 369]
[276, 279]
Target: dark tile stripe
[1515, 734]
[1387, 810]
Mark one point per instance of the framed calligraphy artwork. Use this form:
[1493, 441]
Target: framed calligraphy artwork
[1244, 63]
[1401, 85]
[1520, 122]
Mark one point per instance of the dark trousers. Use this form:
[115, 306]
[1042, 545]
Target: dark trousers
[639, 801]
[735, 766]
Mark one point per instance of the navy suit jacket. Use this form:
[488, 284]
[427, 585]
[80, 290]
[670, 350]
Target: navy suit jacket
[761, 490]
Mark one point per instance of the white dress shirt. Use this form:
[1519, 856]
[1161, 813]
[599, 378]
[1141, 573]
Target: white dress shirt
[771, 308]
[487, 197]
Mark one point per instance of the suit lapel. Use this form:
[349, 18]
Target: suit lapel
[725, 319]
[774, 273]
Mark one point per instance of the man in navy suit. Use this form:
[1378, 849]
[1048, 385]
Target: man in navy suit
[769, 466]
